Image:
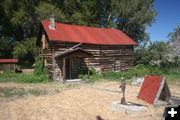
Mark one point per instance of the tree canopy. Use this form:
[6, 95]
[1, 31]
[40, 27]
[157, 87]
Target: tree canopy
[20, 19]
[174, 39]
[160, 53]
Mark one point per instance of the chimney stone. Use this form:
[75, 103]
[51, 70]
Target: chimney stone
[52, 23]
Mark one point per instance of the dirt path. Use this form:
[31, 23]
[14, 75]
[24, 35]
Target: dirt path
[80, 103]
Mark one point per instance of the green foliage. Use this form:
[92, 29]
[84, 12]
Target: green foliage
[5, 47]
[173, 70]
[25, 51]
[23, 78]
[93, 75]
[37, 92]
[173, 78]
[138, 71]
[39, 67]
[20, 20]
[40, 74]
[154, 54]
[173, 36]
[142, 70]
[45, 10]
[7, 91]
[132, 16]
[20, 92]
[34, 79]
[19, 17]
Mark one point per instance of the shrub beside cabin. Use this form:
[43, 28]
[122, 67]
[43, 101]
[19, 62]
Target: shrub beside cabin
[70, 50]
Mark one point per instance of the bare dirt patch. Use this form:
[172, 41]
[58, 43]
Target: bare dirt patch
[76, 103]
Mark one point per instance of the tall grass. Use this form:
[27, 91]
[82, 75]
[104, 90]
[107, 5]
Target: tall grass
[23, 78]
[173, 74]
[20, 92]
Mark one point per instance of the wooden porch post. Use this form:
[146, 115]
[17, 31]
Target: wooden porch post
[70, 68]
[64, 69]
[88, 67]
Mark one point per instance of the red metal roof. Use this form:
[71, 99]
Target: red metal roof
[150, 88]
[81, 34]
[8, 60]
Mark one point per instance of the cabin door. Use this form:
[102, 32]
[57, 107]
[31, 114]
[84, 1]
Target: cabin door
[73, 67]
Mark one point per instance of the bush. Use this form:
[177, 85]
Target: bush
[93, 75]
[39, 67]
[142, 70]
[40, 74]
[34, 79]
[173, 70]
[138, 71]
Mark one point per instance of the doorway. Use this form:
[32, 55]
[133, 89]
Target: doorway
[68, 68]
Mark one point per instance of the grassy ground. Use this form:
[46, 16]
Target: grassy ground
[173, 78]
[72, 102]
[20, 92]
[58, 101]
[11, 91]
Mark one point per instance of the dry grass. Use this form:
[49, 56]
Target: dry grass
[77, 103]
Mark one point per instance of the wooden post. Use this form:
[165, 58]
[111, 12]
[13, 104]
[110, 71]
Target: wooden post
[64, 69]
[88, 67]
[70, 68]
[14, 68]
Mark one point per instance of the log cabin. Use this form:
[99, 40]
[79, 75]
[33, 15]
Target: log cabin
[71, 50]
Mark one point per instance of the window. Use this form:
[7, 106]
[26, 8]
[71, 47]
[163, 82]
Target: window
[117, 66]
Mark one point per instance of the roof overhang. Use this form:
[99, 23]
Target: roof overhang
[70, 52]
[8, 60]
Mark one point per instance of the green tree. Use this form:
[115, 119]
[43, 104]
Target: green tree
[26, 51]
[173, 36]
[174, 39]
[21, 18]
[155, 54]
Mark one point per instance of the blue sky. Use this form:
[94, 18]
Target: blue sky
[167, 19]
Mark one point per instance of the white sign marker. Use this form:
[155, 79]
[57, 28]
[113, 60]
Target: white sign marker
[172, 112]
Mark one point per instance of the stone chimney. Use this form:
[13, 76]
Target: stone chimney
[52, 23]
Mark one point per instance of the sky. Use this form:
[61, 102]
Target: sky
[167, 19]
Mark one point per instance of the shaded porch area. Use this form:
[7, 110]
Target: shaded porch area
[73, 63]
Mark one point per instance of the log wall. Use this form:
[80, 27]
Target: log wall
[104, 57]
